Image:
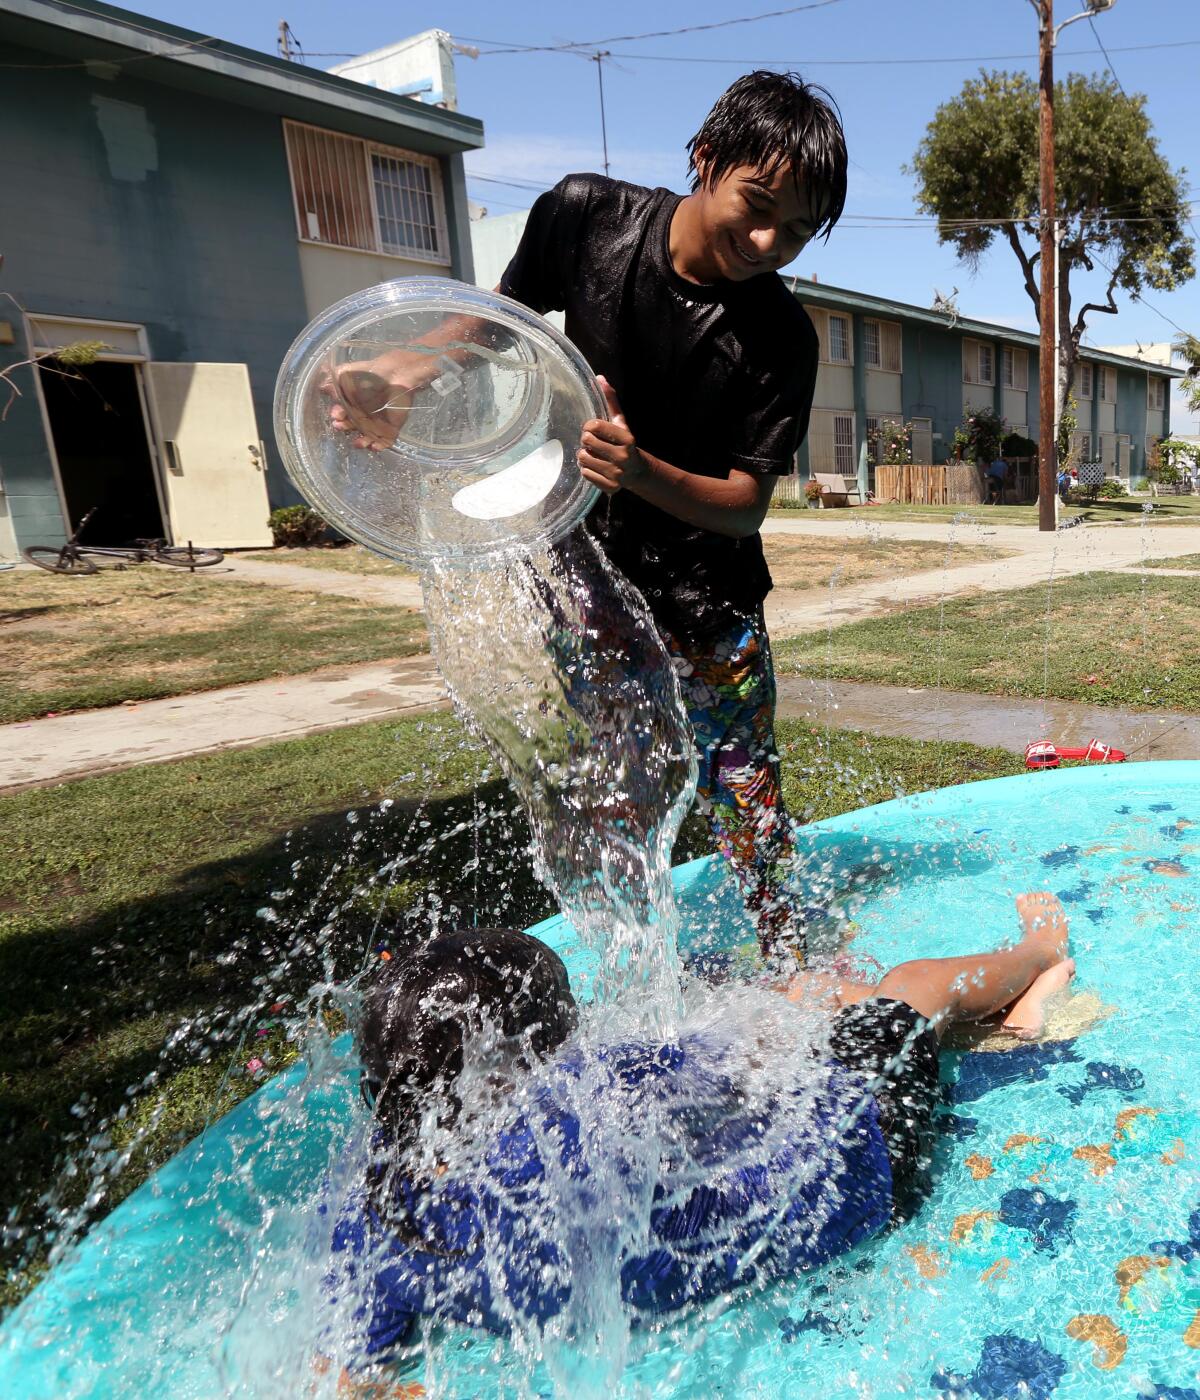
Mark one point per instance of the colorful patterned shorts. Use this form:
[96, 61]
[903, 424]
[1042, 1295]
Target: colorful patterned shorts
[728, 686]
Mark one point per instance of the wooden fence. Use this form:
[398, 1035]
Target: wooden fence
[951, 484]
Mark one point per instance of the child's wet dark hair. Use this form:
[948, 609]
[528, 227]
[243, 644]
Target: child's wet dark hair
[766, 119]
[431, 999]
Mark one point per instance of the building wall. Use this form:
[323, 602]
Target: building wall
[1014, 406]
[835, 388]
[146, 204]
[494, 240]
[328, 274]
[151, 204]
[884, 391]
[932, 381]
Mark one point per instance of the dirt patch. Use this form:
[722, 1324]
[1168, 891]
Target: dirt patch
[345, 559]
[78, 643]
[814, 563]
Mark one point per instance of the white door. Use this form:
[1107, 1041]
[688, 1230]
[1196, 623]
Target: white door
[213, 470]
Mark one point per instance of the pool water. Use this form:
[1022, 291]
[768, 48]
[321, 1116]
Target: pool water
[1059, 1253]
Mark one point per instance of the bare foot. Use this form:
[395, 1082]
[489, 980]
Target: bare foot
[1043, 925]
[1026, 1017]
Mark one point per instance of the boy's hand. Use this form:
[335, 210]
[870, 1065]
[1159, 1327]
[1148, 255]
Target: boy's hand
[609, 457]
[372, 398]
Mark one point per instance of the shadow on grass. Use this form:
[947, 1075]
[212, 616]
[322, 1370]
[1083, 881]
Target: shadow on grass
[149, 1000]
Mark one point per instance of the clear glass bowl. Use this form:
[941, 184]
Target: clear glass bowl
[465, 411]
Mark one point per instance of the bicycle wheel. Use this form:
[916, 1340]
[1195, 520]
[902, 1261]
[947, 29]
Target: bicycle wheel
[58, 560]
[180, 557]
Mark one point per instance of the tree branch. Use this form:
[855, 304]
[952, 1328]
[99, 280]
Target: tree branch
[1026, 262]
[1109, 307]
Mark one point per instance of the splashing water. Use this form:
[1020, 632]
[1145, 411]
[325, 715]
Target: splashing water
[556, 661]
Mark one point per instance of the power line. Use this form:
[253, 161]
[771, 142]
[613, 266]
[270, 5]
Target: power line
[579, 44]
[1107, 60]
[1137, 296]
[888, 221]
[806, 62]
[200, 45]
[514, 183]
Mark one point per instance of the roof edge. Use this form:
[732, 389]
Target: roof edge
[966, 325]
[166, 42]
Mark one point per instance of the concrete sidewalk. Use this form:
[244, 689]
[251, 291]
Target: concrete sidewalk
[81, 745]
[1037, 558]
[990, 720]
[101, 741]
[91, 742]
[403, 591]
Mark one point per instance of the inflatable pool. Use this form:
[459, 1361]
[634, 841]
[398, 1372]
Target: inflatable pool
[1059, 1254]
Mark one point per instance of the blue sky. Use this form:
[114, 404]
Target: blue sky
[541, 110]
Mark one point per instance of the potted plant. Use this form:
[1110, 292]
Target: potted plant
[812, 494]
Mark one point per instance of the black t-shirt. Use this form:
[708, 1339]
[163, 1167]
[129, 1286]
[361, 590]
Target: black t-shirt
[709, 378]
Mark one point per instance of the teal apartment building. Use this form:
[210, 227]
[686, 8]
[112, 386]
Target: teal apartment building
[885, 359]
[188, 205]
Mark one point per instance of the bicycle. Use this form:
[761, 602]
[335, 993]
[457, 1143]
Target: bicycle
[79, 559]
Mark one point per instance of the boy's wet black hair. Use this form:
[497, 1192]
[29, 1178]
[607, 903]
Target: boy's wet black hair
[767, 119]
[430, 999]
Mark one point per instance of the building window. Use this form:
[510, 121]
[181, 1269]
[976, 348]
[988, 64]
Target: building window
[839, 340]
[843, 444]
[881, 345]
[873, 422]
[1156, 397]
[1106, 384]
[1085, 447]
[979, 364]
[1014, 368]
[354, 194]
[1083, 381]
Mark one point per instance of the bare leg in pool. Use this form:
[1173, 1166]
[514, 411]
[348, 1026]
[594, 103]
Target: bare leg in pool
[947, 990]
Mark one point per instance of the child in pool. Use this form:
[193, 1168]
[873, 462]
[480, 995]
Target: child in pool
[488, 1006]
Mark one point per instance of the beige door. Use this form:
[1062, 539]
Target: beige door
[213, 470]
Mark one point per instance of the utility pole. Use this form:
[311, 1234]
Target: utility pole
[1047, 315]
[598, 59]
[1048, 259]
[285, 40]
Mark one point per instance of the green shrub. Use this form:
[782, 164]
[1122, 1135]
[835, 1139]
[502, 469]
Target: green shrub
[980, 435]
[1109, 490]
[1014, 445]
[296, 526]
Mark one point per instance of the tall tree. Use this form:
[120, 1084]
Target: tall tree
[1120, 204]
[1187, 347]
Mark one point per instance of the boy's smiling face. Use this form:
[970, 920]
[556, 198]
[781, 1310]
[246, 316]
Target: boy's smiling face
[752, 220]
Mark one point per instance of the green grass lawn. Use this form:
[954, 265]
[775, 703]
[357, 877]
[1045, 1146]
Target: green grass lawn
[1109, 639]
[343, 559]
[1125, 510]
[137, 634]
[1180, 561]
[202, 893]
